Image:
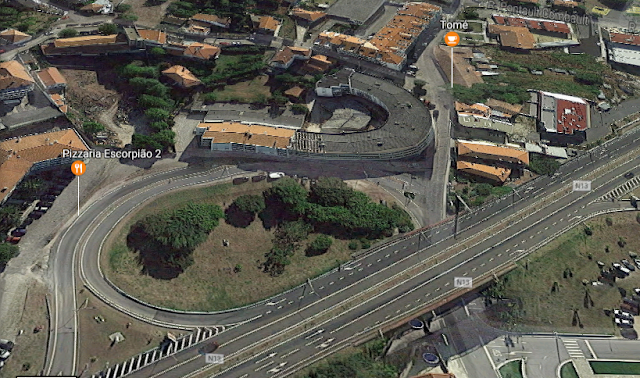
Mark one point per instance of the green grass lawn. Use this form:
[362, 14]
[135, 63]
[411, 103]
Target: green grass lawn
[210, 283]
[540, 60]
[531, 283]
[511, 369]
[615, 367]
[254, 90]
[568, 371]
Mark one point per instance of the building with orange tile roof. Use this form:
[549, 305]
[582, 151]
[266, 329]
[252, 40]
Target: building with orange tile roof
[269, 25]
[541, 26]
[201, 51]
[19, 156]
[317, 64]
[212, 19]
[284, 58]
[51, 78]
[13, 36]
[15, 81]
[308, 16]
[513, 37]
[88, 40]
[434, 375]
[389, 46]
[181, 76]
[236, 136]
[499, 174]
[463, 72]
[153, 36]
[491, 152]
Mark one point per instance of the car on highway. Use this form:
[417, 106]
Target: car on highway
[628, 265]
[623, 323]
[622, 314]
[6, 344]
[325, 344]
[629, 175]
[274, 371]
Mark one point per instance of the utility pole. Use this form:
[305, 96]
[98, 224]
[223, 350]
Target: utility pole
[557, 346]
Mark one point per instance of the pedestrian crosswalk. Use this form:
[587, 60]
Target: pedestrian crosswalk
[622, 189]
[573, 348]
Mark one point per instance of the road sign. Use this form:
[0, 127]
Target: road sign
[466, 282]
[581, 186]
[214, 358]
[78, 168]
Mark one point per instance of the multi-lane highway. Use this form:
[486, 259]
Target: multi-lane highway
[400, 277]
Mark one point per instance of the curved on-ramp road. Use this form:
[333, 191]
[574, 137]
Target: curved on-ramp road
[87, 233]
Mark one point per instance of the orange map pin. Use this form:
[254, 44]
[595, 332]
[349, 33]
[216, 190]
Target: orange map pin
[451, 39]
[78, 167]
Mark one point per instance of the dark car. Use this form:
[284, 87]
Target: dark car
[258, 178]
[18, 232]
[6, 344]
[629, 175]
[240, 180]
[36, 214]
[49, 198]
[26, 222]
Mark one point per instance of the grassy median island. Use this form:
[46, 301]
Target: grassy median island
[276, 237]
[615, 367]
[547, 293]
[512, 369]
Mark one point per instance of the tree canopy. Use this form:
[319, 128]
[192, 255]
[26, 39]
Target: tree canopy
[7, 252]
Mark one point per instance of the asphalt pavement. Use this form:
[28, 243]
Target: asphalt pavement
[277, 314]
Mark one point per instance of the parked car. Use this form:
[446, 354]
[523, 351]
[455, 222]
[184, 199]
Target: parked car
[36, 214]
[6, 344]
[13, 239]
[26, 223]
[628, 265]
[623, 323]
[258, 178]
[622, 314]
[637, 261]
[4, 354]
[240, 180]
[18, 232]
[49, 198]
[276, 175]
[621, 268]
[637, 290]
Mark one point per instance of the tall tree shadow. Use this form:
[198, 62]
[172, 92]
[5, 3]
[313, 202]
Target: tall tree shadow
[157, 260]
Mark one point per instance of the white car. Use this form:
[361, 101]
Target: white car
[637, 291]
[621, 268]
[325, 344]
[282, 364]
[4, 354]
[623, 314]
[623, 323]
[276, 175]
[274, 370]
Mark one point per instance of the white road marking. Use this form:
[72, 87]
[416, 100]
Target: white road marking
[289, 353]
[264, 366]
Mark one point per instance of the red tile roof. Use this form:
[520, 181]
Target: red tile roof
[571, 116]
[626, 39]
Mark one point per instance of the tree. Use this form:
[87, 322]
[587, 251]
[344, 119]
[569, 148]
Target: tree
[331, 191]
[128, 17]
[144, 141]
[589, 78]
[157, 51]
[159, 125]
[92, 128]
[68, 33]
[7, 252]
[289, 192]
[320, 245]
[108, 28]
[147, 101]
[9, 218]
[165, 138]
[543, 165]
[123, 8]
[250, 203]
[157, 114]
[419, 83]
[483, 189]
[290, 234]
[299, 109]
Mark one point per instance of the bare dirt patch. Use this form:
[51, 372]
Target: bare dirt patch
[246, 91]
[212, 283]
[148, 16]
[85, 93]
[95, 348]
[27, 357]
[375, 192]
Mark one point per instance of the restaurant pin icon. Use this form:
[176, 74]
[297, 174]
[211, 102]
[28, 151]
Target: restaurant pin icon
[78, 168]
